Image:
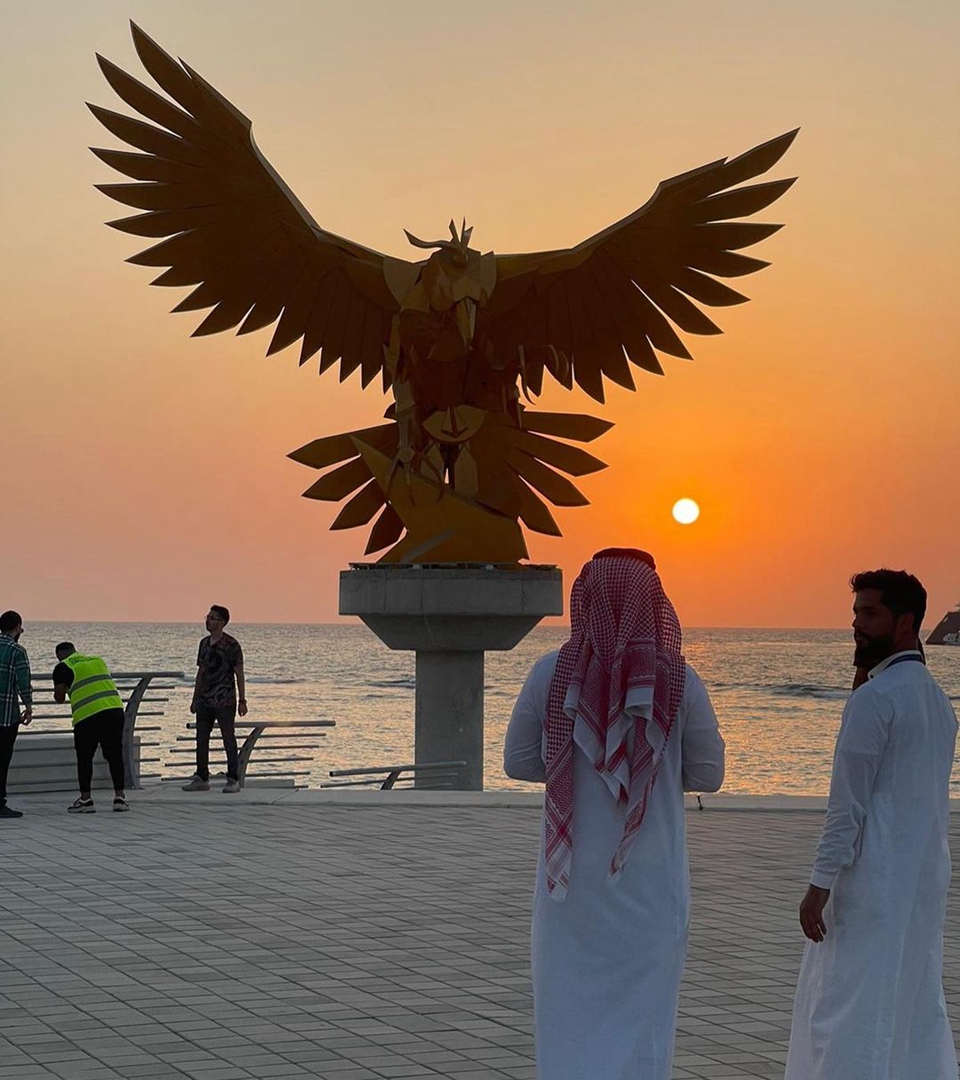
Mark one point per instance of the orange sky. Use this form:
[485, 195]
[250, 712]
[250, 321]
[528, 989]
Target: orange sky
[145, 473]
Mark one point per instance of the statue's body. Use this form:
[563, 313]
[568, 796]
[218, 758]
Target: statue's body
[457, 337]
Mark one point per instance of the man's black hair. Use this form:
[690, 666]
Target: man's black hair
[66, 647]
[9, 620]
[899, 591]
[223, 612]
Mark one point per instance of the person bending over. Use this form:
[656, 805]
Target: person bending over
[97, 715]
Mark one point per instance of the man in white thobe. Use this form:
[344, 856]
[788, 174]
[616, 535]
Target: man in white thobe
[870, 1002]
[609, 932]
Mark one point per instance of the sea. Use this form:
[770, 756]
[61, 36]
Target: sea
[778, 694]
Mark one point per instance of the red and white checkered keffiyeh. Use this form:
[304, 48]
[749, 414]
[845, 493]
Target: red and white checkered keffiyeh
[621, 671]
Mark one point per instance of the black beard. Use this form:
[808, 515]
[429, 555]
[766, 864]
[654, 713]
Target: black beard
[873, 651]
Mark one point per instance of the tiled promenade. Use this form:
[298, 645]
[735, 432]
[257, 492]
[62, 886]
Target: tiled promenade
[272, 938]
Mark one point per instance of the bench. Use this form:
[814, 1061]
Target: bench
[429, 776]
[297, 735]
[44, 758]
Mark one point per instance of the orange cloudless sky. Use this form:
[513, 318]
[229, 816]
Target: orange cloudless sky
[145, 474]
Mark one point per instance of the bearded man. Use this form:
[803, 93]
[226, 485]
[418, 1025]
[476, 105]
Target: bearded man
[870, 999]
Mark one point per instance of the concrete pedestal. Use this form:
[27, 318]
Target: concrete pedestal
[450, 615]
[43, 761]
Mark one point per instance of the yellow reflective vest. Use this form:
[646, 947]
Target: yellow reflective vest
[92, 690]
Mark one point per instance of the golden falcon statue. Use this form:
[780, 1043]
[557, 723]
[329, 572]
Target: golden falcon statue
[457, 336]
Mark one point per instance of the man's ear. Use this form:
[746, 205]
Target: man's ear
[906, 628]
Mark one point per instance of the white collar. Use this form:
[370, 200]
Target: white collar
[884, 664]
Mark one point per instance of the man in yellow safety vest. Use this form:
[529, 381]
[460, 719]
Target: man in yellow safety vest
[97, 715]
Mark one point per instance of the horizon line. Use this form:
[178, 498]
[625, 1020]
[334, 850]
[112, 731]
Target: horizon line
[343, 622]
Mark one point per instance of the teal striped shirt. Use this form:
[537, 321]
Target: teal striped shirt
[14, 680]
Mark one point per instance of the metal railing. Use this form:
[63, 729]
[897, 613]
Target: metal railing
[133, 687]
[438, 774]
[266, 729]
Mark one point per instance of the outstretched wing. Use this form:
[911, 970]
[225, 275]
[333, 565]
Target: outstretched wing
[234, 230]
[584, 311]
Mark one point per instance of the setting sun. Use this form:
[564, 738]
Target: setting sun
[685, 511]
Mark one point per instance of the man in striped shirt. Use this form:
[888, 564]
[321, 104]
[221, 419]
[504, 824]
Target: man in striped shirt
[14, 689]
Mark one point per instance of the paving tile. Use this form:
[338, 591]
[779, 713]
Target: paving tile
[258, 942]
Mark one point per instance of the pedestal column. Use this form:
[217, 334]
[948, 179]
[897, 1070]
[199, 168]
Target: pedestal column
[450, 615]
[448, 722]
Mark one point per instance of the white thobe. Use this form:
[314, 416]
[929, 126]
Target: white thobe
[869, 1002]
[607, 960]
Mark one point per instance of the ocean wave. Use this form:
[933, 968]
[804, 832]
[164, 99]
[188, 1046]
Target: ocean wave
[401, 683]
[791, 690]
[276, 680]
[490, 690]
[830, 693]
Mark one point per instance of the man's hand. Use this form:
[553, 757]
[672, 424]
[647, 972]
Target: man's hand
[193, 707]
[27, 715]
[811, 913]
[242, 708]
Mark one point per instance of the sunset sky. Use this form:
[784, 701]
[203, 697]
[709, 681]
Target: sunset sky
[145, 473]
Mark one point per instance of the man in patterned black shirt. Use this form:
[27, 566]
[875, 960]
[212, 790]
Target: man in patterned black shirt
[14, 689]
[218, 696]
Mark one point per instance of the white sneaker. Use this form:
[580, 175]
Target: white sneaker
[196, 784]
[231, 787]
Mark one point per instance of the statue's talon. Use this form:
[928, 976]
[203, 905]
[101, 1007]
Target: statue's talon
[399, 465]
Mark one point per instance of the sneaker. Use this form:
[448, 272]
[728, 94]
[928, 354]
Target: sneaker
[6, 812]
[231, 787]
[120, 804]
[82, 806]
[197, 783]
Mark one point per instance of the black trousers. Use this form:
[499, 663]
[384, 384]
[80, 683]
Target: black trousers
[226, 717]
[8, 736]
[103, 729]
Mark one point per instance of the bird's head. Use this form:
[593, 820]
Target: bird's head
[456, 250]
